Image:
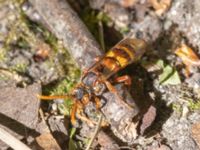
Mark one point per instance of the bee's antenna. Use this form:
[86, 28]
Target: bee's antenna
[43, 97]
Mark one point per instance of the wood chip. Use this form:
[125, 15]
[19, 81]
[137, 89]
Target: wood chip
[21, 104]
[47, 142]
[66, 25]
[196, 133]
[148, 119]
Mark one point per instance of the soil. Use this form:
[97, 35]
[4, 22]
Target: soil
[175, 105]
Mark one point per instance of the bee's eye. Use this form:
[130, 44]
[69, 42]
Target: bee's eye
[79, 93]
[89, 79]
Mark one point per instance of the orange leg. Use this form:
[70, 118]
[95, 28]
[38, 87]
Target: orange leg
[82, 117]
[97, 102]
[73, 113]
[85, 119]
[112, 89]
[125, 78]
[77, 110]
[85, 100]
[52, 97]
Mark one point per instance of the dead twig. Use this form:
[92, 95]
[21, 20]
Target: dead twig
[12, 141]
[70, 29]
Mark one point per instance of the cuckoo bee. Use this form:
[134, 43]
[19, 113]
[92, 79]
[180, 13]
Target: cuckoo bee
[96, 80]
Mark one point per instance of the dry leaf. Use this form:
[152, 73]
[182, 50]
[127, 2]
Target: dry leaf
[148, 119]
[196, 133]
[160, 6]
[188, 57]
[47, 142]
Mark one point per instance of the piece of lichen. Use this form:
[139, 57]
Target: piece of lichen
[194, 105]
[20, 67]
[177, 108]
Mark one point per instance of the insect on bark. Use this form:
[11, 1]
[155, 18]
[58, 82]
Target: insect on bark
[97, 79]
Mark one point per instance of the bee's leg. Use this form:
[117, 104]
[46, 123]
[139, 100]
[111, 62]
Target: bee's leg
[73, 113]
[77, 110]
[52, 97]
[85, 100]
[97, 103]
[125, 79]
[84, 118]
[112, 89]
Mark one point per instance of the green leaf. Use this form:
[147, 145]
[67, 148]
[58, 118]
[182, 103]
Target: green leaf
[101, 16]
[73, 131]
[169, 75]
[160, 63]
[173, 79]
[167, 72]
[72, 143]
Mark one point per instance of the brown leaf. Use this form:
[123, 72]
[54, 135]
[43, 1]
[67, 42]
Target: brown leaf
[188, 57]
[148, 119]
[160, 6]
[47, 142]
[196, 133]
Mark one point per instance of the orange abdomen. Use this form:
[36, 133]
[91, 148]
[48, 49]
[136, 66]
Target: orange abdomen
[124, 53]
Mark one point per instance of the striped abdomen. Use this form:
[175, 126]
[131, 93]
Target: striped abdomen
[121, 55]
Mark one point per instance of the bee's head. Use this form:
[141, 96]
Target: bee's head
[79, 93]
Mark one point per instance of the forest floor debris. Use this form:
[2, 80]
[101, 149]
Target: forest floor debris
[31, 56]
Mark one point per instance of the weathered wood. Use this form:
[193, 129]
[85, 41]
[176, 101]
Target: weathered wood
[66, 25]
[21, 104]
